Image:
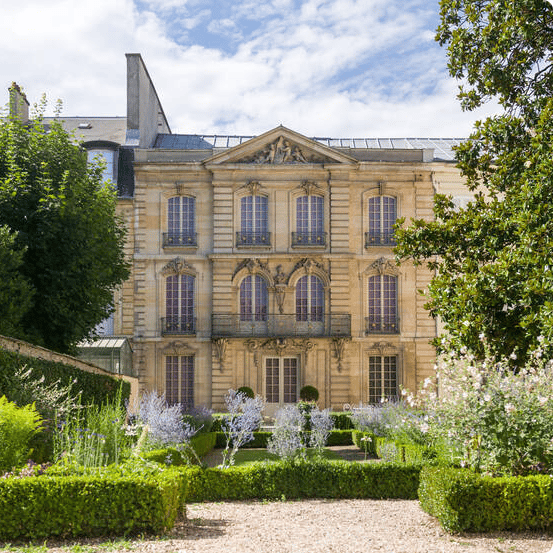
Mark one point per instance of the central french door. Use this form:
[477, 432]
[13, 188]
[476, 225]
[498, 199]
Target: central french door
[281, 380]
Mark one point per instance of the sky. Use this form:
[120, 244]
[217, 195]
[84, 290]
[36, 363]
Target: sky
[324, 68]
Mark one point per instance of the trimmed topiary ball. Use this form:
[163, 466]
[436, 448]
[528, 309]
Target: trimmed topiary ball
[247, 391]
[309, 393]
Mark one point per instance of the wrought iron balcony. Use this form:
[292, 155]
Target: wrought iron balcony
[280, 326]
[178, 325]
[300, 239]
[380, 239]
[179, 239]
[252, 239]
[381, 325]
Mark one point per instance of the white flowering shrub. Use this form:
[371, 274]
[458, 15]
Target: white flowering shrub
[497, 420]
[321, 426]
[243, 420]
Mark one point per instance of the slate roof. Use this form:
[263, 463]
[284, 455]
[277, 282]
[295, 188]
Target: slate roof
[442, 146]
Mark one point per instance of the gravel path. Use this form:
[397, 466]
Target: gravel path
[323, 526]
[319, 526]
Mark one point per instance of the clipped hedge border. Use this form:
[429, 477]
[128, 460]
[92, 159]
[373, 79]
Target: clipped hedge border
[365, 441]
[260, 439]
[342, 420]
[464, 501]
[95, 388]
[303, 479]
[91, 505]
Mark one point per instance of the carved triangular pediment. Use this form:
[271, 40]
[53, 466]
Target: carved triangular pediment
[281, 146]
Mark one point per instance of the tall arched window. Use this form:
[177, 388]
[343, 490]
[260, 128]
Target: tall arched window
[254, 221]
[179, 305]
[181, 222]
[309, 299]
[382, 217]
[309, 222]
[382, 305]
[254, 299]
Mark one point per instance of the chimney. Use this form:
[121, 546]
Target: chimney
[19, 106]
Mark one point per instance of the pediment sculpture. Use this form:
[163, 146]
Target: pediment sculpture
[281, 151]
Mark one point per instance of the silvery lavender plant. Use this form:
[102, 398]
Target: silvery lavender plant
[286, 440]
[162, 423]
[321, 426]
[243, 419]
[370, 418]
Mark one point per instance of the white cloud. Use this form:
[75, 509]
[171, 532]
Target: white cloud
[325, 67]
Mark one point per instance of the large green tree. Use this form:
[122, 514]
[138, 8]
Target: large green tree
[64, 221]
[493, 260]
[15, 291]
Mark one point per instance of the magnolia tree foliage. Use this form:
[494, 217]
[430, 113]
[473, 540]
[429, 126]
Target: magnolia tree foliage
[65, 232]
[492, 260]
[499, 49]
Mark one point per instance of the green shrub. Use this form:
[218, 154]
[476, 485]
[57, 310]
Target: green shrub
[463, 500]
[17, 427]
[260, 440]
[342, 420]
[365, 441]
[89, 505]
[303, 479]
[94, 388]
[339, 437]
[203, 443]
[247, 391]
[309, 393]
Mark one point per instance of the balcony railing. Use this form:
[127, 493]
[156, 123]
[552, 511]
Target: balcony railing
[379, 239]
[280, 326]
[179, 239]
[381, 325]
[300, 239]
[178, 325]
[252, 239]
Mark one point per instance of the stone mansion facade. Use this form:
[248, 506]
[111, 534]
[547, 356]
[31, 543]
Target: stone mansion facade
[268, 261]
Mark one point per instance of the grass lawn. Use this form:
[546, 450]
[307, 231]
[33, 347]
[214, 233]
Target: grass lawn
[244, 456]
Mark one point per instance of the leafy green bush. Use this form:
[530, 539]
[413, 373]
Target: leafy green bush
[260, 440]
[365, 441]
[309, 393]
[17, 426]
[94, 388]
[339, 437]
[202, 444]
[98, 504]
[303, 479]
[463, 500]
[247, 391]
[342, 420]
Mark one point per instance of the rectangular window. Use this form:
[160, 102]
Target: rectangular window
[382, 378]
[281, 380]
[179, 380]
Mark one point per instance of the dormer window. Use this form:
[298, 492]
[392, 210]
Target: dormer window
[108, 157]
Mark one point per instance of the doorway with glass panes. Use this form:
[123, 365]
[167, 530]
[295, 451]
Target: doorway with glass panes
[281, 376]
